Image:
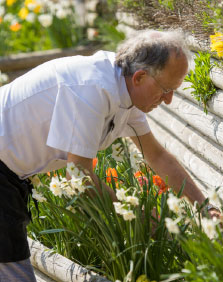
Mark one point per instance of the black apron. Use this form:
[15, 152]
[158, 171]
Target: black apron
[14, 216]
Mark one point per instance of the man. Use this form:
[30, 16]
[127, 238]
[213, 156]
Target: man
[67, 109]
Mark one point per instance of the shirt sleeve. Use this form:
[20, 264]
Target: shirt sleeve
[78, 119]
[137, 124]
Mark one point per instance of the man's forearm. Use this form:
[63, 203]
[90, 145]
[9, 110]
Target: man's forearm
[168, 167]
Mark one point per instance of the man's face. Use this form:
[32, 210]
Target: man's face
[148, 92]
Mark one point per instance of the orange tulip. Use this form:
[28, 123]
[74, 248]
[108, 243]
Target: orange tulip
[111, 172]
[1, 20]
[138, 174]
[158, 181]
[15, 27]
[94, 162]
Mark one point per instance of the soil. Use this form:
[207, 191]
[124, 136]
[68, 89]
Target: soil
[188, 15]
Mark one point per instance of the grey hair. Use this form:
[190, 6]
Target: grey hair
[150, 50]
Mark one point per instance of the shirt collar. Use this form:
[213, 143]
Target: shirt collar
[125, 99]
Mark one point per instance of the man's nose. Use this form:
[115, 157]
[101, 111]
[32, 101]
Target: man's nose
[167, 98]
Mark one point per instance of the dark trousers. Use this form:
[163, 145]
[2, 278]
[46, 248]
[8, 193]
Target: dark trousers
[14, 216]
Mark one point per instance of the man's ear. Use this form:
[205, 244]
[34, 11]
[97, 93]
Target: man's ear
[138, 77]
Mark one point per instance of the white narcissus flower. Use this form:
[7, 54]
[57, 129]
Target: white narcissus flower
[209, 227]
[46, 20]
[172, 225]
[214, 197]
[174, 204]
[55, 187]
[74, 171]
[119, 208]
[38, 196]
[70, 208]
[132, 200]
[120, 193]
[76, 183]
[36, 181]
[128, 215]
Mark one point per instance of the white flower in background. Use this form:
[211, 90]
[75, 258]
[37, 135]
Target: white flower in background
[128, 215]
[38, 196]
[209, 227]
[132, 200]
[74, 171]
[3, 78]
[174, 204]
[36, 181]
[55, 186]
[214, 197]
[72, 209]
[117, 153]
[119, 207]
[91, 18]
[2, 1]
[46, 20]
[172, 225]
[120, 193]
[9, 17]
[31, 17]
[2, 11]
[61, 14]
[91, 33]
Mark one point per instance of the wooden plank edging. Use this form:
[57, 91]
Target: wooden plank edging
[58, 267]
[16, 62]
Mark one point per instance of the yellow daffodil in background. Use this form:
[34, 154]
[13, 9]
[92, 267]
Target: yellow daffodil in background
[217, 43]
[10, 2]
[33, 5]
[23, 13]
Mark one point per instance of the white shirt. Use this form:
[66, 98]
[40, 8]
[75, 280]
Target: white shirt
[65, 105]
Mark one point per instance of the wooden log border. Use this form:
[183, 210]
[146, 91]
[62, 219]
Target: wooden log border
[18, 64]
[58, 267]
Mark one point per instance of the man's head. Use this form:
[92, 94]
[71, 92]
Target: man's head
[154, 64]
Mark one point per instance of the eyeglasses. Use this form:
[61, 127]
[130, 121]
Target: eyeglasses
[165, 91]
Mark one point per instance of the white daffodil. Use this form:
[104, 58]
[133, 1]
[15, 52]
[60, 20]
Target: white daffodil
[70, 208]
[172, 225]
[38, 196]
[214, 197]
[135, 158]
[45, 19]
[55, 187]
[132, 200]
[209, 227]
[119, 208]
[120, 194]
[174, 204]
[128, 215]
[77, 183]
[36, 181]
[74, 171]
[117, 153]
